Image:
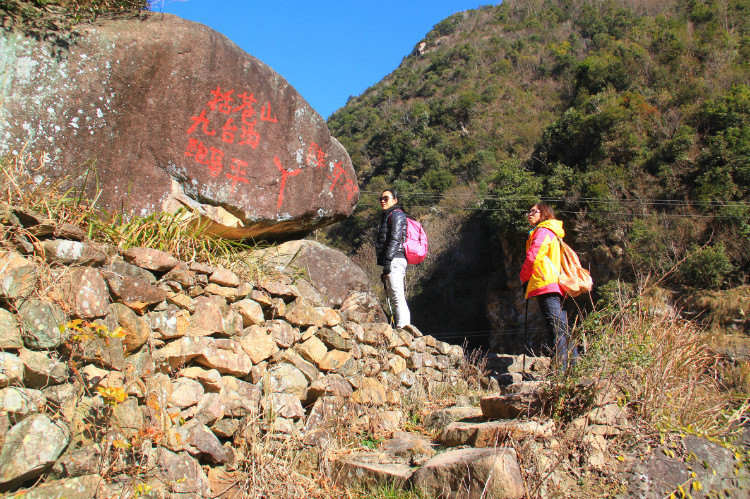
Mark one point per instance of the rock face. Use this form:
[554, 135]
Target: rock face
[171, 113]
[331, 272]
[471, 473]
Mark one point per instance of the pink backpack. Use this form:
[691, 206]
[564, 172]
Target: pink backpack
[415, 244]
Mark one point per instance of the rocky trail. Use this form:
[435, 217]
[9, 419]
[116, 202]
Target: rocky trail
[132, 374]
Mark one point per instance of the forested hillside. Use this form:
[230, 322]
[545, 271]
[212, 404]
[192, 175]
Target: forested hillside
[631, 117]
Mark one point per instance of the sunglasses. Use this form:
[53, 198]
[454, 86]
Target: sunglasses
[383, 199]
[532, 212]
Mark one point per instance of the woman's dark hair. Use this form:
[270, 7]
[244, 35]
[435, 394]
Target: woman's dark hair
[393, 192]
[545, 211]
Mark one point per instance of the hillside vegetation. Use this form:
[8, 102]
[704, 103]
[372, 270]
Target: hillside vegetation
[631, 117]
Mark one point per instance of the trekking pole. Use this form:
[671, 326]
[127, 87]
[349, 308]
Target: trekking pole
[525, 335]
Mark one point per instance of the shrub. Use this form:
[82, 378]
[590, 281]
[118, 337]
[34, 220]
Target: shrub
[614, 294]
[437, 181]
[706, 268]
[516, 189]
[649, 248]
[724, 162]
[446, 26]
[597, 71]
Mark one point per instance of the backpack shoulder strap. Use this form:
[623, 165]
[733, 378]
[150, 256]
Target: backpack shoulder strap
[391, 213]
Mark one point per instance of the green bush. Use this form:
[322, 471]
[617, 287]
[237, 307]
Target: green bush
[437, 181]
[614, 294]
[667, 45]
[596, 72]
[724, 164]
[649, 247]
[706, 268]
[515, 190]
[446, 26]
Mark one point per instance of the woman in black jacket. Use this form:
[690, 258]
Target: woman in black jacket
[389, 248]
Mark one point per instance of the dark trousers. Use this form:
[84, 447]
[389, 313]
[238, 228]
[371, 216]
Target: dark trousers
[557, 325]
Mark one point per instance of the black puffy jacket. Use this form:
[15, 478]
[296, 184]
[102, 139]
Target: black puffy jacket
[391, 236]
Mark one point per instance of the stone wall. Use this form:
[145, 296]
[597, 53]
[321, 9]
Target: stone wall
[104, 348]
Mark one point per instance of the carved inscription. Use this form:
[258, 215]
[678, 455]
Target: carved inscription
[230, 118]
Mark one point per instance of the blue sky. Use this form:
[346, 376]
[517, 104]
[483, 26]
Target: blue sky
[327, 50]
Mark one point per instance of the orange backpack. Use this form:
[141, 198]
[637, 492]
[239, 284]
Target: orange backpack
[574, 279]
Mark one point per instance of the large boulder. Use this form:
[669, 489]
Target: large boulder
[171, 113]
[330, 271]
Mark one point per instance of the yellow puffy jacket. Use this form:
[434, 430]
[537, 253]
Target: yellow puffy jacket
[541, 268]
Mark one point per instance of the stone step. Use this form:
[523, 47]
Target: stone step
[470, 473]
[512, 405]
[493, 433]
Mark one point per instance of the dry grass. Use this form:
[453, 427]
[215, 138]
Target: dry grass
[721, 309]
[21, 185]
[48, 16]
[474, 367]
[663, 368]
[266, 465]
[183, 234]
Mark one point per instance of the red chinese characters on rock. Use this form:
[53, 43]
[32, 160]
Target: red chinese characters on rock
[231, 118]
[284, 175]
[236, 119]
[238, 174]
[316, 157]
[211, 157]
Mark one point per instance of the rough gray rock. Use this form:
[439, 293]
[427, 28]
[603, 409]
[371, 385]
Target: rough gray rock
[709, 464]
[471, 473]
[136, 330]
[329, 270]
[31, 447]
[370, 475]
[174, 114]
[134, 292]
[41, 321]
[10, 331]
[11, 369]
[182, 473]
[66, 252]
[512, 405]
[414, 449]
[185, 392]
[18, 276]
[85, 293]
[80, 487]
[439, 419]
[492, 433]
[42, 369]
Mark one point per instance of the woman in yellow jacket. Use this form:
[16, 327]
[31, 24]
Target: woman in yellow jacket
[541, 270]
